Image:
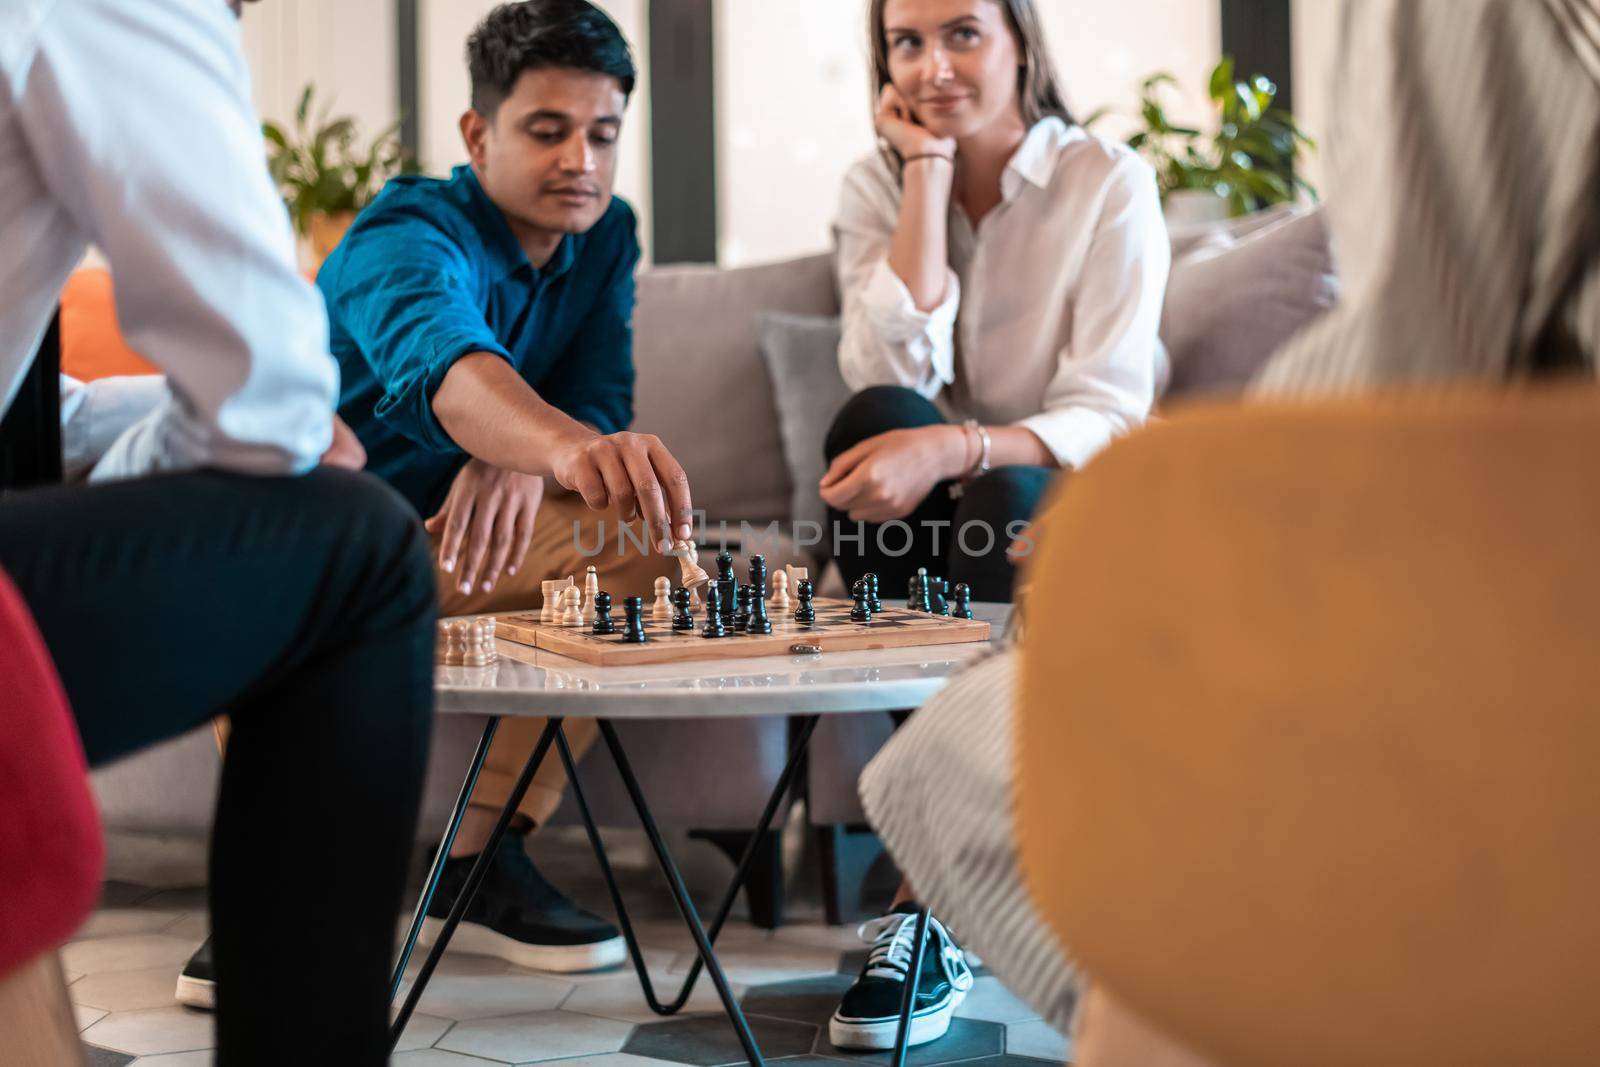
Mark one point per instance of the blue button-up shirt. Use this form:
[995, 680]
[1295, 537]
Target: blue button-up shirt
[431, 272]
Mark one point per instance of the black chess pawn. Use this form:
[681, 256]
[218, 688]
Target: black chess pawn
[758, 621]
[939, 596]
[872, 593]
[805, 614]
[963, 606]
[633, 609]
[604, 625]
[682, 620]
[714, 627]
[862, 612]
[741, 613]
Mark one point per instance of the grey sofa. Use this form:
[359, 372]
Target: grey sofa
[1238, 290]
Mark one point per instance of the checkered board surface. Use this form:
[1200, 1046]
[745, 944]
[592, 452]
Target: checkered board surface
[832, 632]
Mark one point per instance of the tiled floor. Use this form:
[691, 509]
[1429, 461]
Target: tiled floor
[480, 1011]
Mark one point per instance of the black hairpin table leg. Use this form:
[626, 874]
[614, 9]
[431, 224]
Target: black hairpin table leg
[431, 885]
[474, 879]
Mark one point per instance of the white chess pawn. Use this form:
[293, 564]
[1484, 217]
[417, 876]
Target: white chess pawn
[480, 647]
[572, 607]
[591, 586]
[662, 609]
[456, 651]
[780, 591]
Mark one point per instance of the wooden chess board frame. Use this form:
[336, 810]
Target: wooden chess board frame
[832, 632]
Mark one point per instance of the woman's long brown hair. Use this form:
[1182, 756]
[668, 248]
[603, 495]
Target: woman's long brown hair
[1039, 93]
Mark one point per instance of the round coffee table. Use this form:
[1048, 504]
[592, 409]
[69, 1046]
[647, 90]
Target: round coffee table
[538, 684]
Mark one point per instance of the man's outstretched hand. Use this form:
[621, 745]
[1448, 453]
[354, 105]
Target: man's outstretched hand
[486, 524]
[633, 473]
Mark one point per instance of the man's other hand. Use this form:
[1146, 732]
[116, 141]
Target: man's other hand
[486, 524]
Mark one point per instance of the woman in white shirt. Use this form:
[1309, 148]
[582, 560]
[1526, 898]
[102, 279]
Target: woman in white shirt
[1002, 272]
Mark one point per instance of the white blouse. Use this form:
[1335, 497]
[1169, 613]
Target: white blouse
[1054, 301]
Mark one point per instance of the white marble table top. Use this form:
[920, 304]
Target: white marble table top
[533, 682]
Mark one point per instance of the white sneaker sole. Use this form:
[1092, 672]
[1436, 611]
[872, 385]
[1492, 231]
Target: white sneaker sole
[559, 959]
[196, 993]
[879, 1034]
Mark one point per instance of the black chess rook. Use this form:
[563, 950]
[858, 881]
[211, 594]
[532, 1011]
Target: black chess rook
[633, 610]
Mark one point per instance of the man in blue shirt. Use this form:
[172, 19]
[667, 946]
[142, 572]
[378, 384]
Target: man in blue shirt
[484, 328]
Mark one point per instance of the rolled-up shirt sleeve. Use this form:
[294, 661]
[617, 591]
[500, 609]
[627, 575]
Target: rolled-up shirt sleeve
[412, 317]
[168, 179]
[1105, 384]
[886, 339]
[95, 414]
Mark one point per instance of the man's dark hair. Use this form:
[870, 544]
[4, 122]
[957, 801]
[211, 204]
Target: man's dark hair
[535, 34]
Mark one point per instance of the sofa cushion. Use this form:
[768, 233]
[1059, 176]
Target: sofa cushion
[802, 356]
[1234, 301]
[702, 385]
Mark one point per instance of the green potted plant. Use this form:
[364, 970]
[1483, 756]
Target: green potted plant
[1247, 165]
[325, 175]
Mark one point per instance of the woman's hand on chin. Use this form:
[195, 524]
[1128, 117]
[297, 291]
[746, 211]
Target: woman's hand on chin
[887, 477]
[898, 125]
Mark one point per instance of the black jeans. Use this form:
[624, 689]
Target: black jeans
[962, 540]
[303, 608]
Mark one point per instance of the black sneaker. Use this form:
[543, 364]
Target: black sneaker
[197, 984]
[521, 918]
[869, 1015]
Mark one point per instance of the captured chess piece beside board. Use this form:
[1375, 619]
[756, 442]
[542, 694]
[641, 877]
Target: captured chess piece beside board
[718, 618]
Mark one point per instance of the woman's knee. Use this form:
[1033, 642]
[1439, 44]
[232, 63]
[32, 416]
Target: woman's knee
[1005, 494]
[878, 409]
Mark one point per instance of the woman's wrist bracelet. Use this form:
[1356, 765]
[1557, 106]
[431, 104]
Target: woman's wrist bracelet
[908, 160]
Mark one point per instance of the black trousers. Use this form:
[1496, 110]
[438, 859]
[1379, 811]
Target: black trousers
[962, 540]
[303, 608]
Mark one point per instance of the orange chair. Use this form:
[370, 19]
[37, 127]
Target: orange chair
[1307, 755]
[92, 345]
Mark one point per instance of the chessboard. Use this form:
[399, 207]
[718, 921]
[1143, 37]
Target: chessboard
[891, 627]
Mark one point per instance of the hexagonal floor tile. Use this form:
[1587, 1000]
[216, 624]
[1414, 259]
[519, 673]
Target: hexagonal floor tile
[482, 996]
[621, 998]
[991, 1001]
[1038, 1040]
[147, 1033]
[806, 1000]
[422, 1031]
[1011, 1061]
[120, 922]
[967, 1039]
[149, 987]
[709, 1040]
[545, 1035]
[620, 1059]
[104, 1057]
[177, 1059]
[126, 954]
[433, 1057]
[87, 1017]
[764, 965]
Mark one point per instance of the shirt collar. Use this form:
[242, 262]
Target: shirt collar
[1035, 159]
[501, 245]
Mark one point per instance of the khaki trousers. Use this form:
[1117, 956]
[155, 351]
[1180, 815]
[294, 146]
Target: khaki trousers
[565, 530]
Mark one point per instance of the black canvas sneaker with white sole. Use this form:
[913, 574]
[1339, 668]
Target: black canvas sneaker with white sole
[869, 1015]
[520, 917]
[197, 984]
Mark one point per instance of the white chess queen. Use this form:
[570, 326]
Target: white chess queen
[1002, 273]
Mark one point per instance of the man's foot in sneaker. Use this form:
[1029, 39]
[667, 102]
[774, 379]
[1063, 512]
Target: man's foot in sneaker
[869, 1015]
[521, 918]
[197, 984]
